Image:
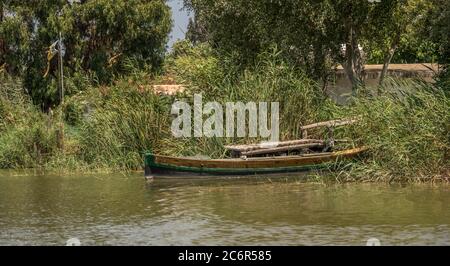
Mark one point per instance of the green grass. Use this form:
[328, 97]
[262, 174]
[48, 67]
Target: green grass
[407, 128]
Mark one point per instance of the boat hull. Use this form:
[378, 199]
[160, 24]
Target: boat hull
[166, 166]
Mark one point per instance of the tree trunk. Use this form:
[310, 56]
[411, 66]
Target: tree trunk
[386, 63]
[388, 57]
[353, 63]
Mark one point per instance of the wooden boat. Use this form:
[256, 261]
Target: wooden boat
[308, 154]
[165, 165]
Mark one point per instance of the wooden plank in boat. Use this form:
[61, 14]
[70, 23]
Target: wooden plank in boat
[282, 149]
[251, 147]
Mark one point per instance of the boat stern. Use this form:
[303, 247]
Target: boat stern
[149, 160]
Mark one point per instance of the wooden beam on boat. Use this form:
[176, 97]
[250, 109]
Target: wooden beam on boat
[329, 124]
[253, 147]
[282, 149]
[332, 123]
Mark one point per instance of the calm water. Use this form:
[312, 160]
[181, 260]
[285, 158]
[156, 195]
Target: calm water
[125, 210]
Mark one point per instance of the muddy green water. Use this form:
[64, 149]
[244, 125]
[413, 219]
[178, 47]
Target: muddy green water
[125, 210]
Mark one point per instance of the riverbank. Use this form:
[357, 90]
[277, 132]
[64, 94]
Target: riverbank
[405, 124]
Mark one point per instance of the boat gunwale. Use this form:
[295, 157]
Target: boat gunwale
[352, 151]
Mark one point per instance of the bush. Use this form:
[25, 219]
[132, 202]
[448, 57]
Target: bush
[73, 113]
[27, 136]
[194, 65]
[14, 105]
[406, 127]
[124, 122]
[27, 147]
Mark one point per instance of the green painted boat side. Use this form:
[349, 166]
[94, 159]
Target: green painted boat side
[235, 171]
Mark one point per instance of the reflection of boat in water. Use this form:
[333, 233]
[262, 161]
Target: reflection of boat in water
[165, 165]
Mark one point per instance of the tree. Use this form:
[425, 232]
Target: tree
[438, 31]
[401, 20]
[245, 28]
[97, 35]
[13, 35]
[196, 32]
[314, 34]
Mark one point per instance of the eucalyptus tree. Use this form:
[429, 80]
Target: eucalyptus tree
[438, 31]
[14, 33]
[315, 34]
[398, 25]
[98, 36]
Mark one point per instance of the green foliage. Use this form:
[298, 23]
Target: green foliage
[311, 34]
[247, 28]
[13, 41]
[405, 124]
[274, 80]
[109, 126]
[98, 37]
[240, 50]
[438, 30]
[11, 97]
[270, 80]
[126, 120]
[195, 65]
[73, 113]
[26, 137]
[407, 130]
[124, 123]
[400, 31]
[27, 146]
[125, 29]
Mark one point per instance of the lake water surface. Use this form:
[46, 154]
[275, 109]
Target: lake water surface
[126, 210]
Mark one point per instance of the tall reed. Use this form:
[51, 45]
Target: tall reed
[406, 126]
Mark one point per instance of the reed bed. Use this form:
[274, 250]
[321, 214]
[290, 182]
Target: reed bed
[405, 124]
